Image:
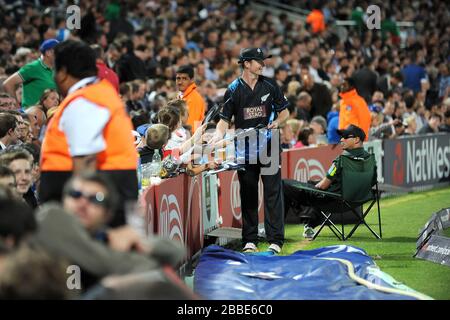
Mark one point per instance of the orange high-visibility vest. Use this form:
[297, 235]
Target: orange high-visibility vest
[354, 110]
[120, 153]
[196, 106]
[317, 21]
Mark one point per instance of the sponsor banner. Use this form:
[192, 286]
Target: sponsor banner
[170, 205]
[427, 231]
[147, 200]
[437, 249]
[230, 200]
[210, 209]
[284, 165]
[311, 163]
[376, 147]
[444, 216]
[193, 222]
[417, 161]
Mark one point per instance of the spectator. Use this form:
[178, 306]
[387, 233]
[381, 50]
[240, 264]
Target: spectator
[333, 125]
[388, 83]
[353, 109]
[414, 73]
[49, 99]
[316, 20]
[433, 124]
[7, 102]
[306, 138]
[104, 72]
[20, 162]
[7, 179]
[8, 130]
[46, 276]
[156, 138]
[444, 81]
[129, 67]
[37, 121]
[189, 93]
[35, 76]
[17, 222]
[303, 106]
[321, 98]
[365, 80]
[445, 127]
[410, 125]
[319, 125]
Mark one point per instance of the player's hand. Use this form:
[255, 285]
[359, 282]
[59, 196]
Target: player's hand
[273, 125]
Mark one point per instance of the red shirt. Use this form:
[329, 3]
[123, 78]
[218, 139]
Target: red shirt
[106, 73]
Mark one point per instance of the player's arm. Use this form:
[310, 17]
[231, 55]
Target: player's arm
[282, 117]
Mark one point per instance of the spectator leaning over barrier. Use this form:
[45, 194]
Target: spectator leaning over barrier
[156, 138]
[353, 109]
[20, 162]
[89, 131]
[8, 133]
[189, 93]
[35, 76]
[433, 124]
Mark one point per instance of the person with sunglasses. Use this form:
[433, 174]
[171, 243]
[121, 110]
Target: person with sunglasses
[352, 139]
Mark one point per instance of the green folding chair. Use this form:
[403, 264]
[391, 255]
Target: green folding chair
[358, 186]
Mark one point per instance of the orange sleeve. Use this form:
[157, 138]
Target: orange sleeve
[196, 106]
[363, 115]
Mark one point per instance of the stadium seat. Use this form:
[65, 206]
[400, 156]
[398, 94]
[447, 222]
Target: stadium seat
[358, 186]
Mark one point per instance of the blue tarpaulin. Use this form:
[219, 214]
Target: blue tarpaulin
[333, 272]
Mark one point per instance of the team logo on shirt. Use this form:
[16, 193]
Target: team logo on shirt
[348, 108]
[264, 98]
[254, 112]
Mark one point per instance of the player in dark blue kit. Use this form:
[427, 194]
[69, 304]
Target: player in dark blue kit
[257, 101]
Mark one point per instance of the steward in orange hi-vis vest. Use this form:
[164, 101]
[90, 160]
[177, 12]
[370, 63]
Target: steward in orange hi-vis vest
[120, 153]
[90, 131]
[353, 108]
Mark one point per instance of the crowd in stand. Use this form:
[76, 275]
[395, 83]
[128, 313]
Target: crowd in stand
[171, 62]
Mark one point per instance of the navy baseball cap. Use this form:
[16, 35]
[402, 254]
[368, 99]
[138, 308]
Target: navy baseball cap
[48, 44]
[248, 54]
[352, 131]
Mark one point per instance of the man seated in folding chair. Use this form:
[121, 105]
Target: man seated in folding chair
[346, 186]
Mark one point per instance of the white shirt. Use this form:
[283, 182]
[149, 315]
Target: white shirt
[2, 145]
[83, 122]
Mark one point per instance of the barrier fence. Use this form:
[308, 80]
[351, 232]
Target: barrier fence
[186, 208]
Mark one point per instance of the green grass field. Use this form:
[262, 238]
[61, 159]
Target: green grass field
[402, 217]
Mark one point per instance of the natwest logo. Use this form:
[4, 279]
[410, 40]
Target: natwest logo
[170, 222]
[426, 160]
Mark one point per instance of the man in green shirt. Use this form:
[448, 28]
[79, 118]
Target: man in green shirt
[352, 139]
[35, 77]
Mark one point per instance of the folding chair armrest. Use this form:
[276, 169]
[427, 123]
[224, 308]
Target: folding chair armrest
[322, 192]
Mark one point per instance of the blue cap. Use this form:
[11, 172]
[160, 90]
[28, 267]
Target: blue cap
[142, 129]
[48, 44]
[375, 108]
